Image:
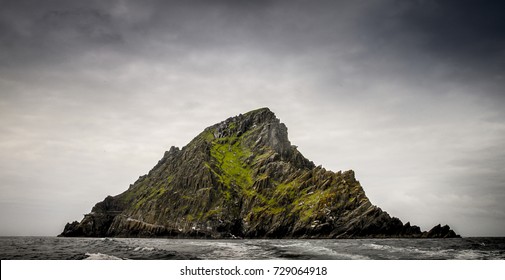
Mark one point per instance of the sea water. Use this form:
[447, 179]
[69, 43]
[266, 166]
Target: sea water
[58, 248]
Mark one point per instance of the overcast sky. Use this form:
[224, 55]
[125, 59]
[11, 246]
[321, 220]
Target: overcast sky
[408, 94]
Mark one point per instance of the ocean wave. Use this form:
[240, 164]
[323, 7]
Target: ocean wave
[143, 249]
[231, 250]
[468, 255]
[100, 256]
[154, 249]
[310, 249]
[318, 250]
[434, 253]
[408, 251]
[478, 255]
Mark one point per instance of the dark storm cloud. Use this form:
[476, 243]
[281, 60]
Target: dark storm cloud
[50, 32]
[467, 28]
[457, 40]
[418, 35]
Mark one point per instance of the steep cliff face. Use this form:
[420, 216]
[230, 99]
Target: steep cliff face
[243, 178]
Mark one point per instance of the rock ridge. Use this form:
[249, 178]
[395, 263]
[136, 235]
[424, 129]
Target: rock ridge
[242, 178]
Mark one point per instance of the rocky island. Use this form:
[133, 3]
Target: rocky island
[242, 178]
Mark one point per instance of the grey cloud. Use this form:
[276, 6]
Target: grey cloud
[45, 35]
[482, 171]
[85, 24]
[459, 28]
[455, 40]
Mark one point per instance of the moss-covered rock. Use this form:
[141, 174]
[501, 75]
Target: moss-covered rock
[242, 178]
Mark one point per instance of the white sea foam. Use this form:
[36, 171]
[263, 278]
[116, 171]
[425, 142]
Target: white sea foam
[309, 248]
[318, 250]
[100, 256]
[143, 249]
[231, 249]
[377, 246]
[412, 251]
[395, 249]
[468, 255]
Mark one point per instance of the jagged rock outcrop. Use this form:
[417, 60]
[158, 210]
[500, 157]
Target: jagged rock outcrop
[440, 232]
[242, 178]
